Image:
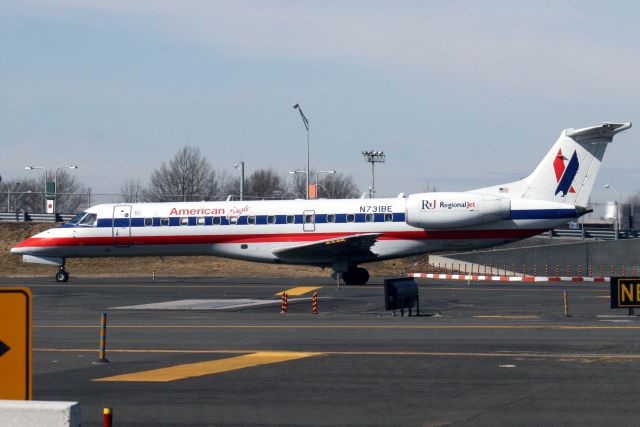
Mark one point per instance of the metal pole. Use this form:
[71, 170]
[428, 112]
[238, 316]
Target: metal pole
[308, 162]
[617, 224]
[241, 180]
[372, 190]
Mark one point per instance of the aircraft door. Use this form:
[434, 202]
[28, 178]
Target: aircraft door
[309, 220]
[121, 225]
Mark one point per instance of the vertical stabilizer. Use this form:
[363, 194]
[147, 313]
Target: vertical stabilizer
[568, 172]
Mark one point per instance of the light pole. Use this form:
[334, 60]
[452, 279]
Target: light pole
[44, 194]
[617, 223]
[240, 167]
[373, 157]
[9, 191]
[55, 186]
[318, 173]
[306, 125]
[304, 172]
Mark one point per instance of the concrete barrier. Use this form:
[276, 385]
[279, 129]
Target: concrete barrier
[34, 413]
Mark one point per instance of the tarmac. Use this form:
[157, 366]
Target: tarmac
[485, 353]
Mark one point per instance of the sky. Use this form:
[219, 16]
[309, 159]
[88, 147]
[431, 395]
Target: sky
[458, 94]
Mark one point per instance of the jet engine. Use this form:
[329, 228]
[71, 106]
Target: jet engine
[435, 211]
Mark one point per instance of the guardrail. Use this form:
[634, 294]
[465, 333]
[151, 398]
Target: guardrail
[34, 217]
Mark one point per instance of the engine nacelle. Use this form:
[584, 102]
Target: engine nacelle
[434, 211]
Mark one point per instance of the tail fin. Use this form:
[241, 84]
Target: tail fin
[568, 172]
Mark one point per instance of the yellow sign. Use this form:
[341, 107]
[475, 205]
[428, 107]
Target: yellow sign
[15, 343]
[625, 292]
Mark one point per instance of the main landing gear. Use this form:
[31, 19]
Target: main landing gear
[355, 276]
[62, 275]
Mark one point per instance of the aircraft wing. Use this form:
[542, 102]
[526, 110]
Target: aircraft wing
[355, 244]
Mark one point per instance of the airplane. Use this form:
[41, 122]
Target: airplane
[339, 234]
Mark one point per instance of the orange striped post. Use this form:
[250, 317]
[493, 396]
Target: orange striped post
[613, 270]
[103, 339]
[557, 270]
[314, 303]
[601, 270]
[624, 270]
[546, 270]
[284, 302]
[535, 268]
[591, 271]
[107, 417]
[579, 271]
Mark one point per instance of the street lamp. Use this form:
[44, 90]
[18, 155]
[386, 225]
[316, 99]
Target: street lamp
[55, 186]
[373, 157]
[304, 172]
[240, 167]
[306, 125]
[44, 194]
[9, 191]
[318, 173]
[617, 223]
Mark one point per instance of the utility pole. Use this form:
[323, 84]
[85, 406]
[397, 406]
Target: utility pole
[373, 157]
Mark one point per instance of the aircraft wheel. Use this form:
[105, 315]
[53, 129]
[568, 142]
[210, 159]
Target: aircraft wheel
[362, 276]
[356, 276]
[62, 276]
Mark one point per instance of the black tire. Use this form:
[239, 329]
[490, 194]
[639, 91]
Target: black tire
[356, 276]
[62, 276]
[362, 276]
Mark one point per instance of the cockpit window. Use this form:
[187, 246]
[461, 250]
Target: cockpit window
[77, 218]
[89, 219]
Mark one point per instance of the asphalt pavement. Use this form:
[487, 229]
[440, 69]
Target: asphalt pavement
[479, 353]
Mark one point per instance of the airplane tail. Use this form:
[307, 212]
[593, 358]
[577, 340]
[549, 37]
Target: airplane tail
[568, 171]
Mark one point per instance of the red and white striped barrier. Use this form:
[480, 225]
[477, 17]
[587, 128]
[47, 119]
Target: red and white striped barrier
[443, 276]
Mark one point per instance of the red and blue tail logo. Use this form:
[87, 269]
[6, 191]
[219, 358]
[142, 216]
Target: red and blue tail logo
[565, 174]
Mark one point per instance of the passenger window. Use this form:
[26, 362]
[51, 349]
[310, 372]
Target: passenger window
[271, 219]
[217, 220]
[251, 220]
[184, 221]
[164, 221]
[291, 219]
[388, 217]
[351, 217]
[200, 220]
[233, 220]
[369, 217]
[309, 219]
[89, 219]
[331, 218]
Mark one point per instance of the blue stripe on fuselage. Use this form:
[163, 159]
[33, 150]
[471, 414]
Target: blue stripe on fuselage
[543, 214]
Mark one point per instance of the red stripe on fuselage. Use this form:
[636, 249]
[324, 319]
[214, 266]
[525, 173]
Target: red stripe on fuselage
[273, 238]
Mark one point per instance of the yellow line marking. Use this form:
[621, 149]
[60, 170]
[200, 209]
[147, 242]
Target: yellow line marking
[210, 367]
[499, 316]
[295, 292]
[341, 353]
[604, 327]
[604, 296]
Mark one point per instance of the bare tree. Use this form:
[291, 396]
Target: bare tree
[298, 188]
[71, 196]
[338, 186]
[188, 176]
[132, 191]
[265, 183]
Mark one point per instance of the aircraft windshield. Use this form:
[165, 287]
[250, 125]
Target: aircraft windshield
[77, 218]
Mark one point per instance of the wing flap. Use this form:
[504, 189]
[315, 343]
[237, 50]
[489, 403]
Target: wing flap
[355, 244]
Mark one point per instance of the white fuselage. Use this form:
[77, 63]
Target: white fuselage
[252, 230]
